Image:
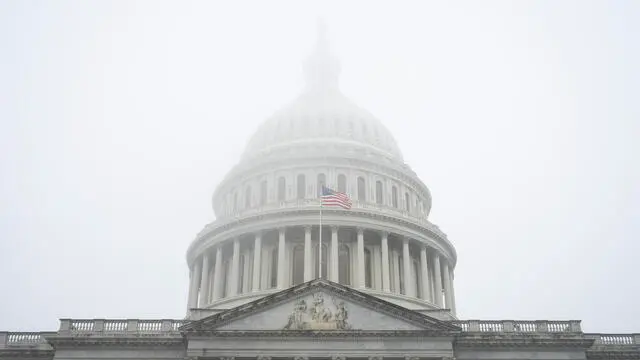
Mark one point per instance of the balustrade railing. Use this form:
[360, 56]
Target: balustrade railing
[519, 326]
[24, 339]
[614, 339]
[121, 326]
[315, 203]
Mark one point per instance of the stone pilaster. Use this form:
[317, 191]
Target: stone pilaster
[361, 267]
[386, 281]
[204, 280]
[235, 268]
[282, 265]
[308, 269]
[437, 294]
[447, 285]
[424, 269]
[406, 265]
[257, 263]
[334, 255]
[217, 274]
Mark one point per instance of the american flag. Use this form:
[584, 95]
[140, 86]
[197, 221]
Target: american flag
[335, 198]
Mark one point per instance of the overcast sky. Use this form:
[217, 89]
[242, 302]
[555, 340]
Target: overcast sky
[119, 118]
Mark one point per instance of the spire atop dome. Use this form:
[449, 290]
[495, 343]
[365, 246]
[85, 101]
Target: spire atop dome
[322, 70]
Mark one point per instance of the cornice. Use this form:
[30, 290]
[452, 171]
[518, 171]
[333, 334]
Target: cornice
[503, 340]
[175, 340]
[18, 353]
[302, 215]
[319, 333]
[622, 354]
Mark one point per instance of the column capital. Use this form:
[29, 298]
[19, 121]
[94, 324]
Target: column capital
[384, 233]
[282, 229]
[334, 228]
[360, 230]
[405, 239]
[307, 227]
[257, 233]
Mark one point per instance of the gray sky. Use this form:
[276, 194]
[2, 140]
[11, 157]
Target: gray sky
[118, 119]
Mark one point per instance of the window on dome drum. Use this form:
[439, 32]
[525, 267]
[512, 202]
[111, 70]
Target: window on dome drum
[298, 264]
[263, 192]
[344, 273]
[362, 192]
[394, 196]
[401, 272]
[321, 181]
[367, 268]
[323, 261]
[282, 188]
[379, 192]
[342, 183]
[407, 202]
[301, 185]
[247, 197]
[273, 281]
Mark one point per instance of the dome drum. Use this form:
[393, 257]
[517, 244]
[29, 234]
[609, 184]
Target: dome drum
[354, 256]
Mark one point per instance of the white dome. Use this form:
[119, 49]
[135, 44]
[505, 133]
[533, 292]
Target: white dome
[322, 117]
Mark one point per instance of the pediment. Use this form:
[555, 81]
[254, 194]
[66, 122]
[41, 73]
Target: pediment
[319, 305]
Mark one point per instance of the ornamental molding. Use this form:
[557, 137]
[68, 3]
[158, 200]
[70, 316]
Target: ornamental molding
[503, 340]
[215, 233]
[430, 326]
[26, 353]
[614, 355]
[175, 340]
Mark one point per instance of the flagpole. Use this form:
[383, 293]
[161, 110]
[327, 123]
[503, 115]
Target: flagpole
[320, 243]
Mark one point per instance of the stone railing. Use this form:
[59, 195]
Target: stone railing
[315, 203]
[24, 339]
[614, 339]
[519, 326]
[130, 326]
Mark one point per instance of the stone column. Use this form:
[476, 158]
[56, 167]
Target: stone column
[453, 292]
[204, 281]
[334, 254]
[235, 267]
[308, 269]
[361, 267]
[257, 257]
[217, 274]
[195, 283]
[424, 269]
[282, 265]
[190, 294]
[406, 267]
[447, 284]
[437, 294]
[386, 281]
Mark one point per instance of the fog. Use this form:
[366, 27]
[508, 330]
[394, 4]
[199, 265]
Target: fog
[118, 119]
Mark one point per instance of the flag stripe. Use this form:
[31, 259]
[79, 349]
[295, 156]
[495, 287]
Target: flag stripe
[334, 198]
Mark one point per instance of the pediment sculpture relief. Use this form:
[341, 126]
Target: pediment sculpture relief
[318, 315]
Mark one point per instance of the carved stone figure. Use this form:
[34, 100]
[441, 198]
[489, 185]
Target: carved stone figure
[318, 316]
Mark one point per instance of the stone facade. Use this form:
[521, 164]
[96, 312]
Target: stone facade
[278, 276]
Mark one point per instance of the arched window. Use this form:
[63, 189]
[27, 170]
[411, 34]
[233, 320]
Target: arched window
[344, 260]
[394, 196]
[273, 282]
[298, 264]
[367, 268]
[323, 261]
[282, 188]
[342, 183]
[263, 192]
[407, 202]
[379, 192]
[247, 197]
[301, 185]
[321, 181]
[362, 192]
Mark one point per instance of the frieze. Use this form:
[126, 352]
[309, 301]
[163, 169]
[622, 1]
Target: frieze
[318, 315]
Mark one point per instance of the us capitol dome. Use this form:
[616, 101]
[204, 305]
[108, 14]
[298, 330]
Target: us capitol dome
[266, 234]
